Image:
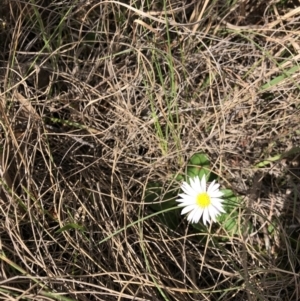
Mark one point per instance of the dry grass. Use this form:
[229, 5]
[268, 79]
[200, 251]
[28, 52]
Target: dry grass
[98, 99]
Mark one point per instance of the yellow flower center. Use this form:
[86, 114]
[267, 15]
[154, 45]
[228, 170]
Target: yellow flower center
[203, 200]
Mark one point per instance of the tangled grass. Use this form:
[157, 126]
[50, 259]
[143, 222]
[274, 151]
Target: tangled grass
[99, 98]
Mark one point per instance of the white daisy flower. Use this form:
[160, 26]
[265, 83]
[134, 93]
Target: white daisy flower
[199, 201]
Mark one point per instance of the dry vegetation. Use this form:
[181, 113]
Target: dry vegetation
[98, 98]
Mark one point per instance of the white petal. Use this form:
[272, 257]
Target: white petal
[190, 216]
[187, 200]
[205, 216]
[195, 215]
[213, 187]
[185, 196]
[221, 209]
[187, 188]
[181, 200]
[203, 184]
[187, 209]
[185, 204]
[196, 184]
[216, 200]
[213, 212]
[215, 194]
[212, 190]
[192, 185]
[217, 204]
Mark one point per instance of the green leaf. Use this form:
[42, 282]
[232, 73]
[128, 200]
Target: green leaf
[170, 219]
[204, 172]
[227, 193]
[272, 227]
[277, 80]
[198, 171]
[179, 177]
[152, 194]
[169, 200]
[230, 223]
[212, 176]
[230, 219]
[70, 227]
[158, 199]
[193, 171]
[199, 166]
[199, 159]
[199, 227]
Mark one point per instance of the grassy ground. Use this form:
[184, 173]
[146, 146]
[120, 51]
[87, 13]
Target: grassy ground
[99, 100]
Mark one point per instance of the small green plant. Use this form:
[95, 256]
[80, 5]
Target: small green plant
[230, 218]
[161, 197]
